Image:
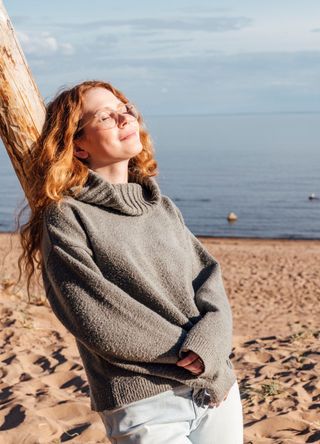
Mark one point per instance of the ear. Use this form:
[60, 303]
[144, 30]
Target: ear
[79, 152]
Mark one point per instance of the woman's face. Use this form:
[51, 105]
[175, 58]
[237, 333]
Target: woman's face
[104, 146]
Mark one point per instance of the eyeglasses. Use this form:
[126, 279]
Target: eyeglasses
[108, 118]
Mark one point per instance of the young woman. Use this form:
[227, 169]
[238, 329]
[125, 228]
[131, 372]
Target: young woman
[143, 298]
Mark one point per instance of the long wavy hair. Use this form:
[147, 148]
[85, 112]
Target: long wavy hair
[53, 168]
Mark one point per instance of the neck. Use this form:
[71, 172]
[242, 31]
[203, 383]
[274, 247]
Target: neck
[112, 173]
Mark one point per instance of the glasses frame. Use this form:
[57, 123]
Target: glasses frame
[116, 119]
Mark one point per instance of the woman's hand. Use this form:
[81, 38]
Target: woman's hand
[192, 362]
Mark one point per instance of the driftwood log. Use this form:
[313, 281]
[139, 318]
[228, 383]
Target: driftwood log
[22, 109]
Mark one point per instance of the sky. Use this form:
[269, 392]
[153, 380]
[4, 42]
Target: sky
[178, 56]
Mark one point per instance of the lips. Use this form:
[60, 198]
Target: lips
[128, 134]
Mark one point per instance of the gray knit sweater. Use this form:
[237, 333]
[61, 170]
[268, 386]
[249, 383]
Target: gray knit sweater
[134, 286]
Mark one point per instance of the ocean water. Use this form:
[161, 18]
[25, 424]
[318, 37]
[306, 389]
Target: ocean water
[261, 167]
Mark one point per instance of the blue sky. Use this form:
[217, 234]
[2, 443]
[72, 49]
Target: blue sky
[178, 57]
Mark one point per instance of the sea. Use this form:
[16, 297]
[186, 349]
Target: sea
[262, 167]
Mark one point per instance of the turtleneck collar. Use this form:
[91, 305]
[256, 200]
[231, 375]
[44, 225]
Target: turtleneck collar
[132, 198]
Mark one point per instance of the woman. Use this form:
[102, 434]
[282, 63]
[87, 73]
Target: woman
[143, 298]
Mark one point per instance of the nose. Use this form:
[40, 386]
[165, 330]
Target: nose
[122, 120]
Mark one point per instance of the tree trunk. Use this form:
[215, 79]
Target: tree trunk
[22, 109]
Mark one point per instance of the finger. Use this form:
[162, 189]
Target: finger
[191, 357]
[196, 366]
[194, 372]
[188, 359]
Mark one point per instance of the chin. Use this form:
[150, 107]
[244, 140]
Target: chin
[133, 151]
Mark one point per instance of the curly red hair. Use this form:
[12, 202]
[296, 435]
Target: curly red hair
[53, 169]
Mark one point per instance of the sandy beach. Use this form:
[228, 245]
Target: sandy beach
[274, 291]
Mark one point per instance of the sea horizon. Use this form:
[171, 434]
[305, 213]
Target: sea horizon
[261, 166]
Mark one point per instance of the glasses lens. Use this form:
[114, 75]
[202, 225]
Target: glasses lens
[106, 117]
[132, 110]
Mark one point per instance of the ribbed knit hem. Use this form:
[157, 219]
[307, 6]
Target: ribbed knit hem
[127, 390]
[130, 389]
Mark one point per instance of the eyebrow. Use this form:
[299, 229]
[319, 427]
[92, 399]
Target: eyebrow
[106, 106]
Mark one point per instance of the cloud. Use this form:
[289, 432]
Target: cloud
[43, 44]
[153, 25]
[176, 60]
[293, 71]
[286, 81]
[140, 37]
[315, 30]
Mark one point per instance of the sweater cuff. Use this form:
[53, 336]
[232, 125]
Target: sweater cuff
[202, 347]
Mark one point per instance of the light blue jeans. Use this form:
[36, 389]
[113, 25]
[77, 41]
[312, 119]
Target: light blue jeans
[173, 417]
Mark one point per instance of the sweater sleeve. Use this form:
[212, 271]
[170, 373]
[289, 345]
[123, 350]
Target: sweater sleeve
[98, 313]
[211, 336]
